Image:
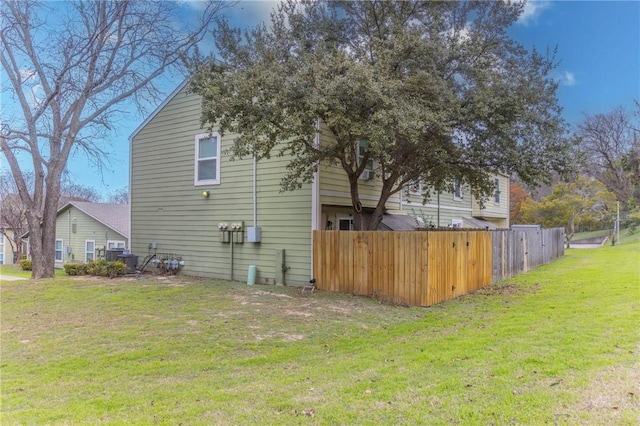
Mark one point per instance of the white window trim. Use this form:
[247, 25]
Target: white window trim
[55, 251]
[86, 252]
[215, 181]
[339, 218]
[115, 244]
[496, 194]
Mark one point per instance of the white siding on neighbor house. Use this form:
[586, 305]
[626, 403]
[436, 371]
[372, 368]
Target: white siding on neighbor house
[168, 209]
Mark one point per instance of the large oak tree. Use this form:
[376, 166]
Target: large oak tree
[437, 90]
[68, 69]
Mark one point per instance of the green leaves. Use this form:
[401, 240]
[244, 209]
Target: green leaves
[437, 89]
[585, 201]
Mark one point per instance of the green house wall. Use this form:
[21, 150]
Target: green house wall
[170, 213]
[74, 228]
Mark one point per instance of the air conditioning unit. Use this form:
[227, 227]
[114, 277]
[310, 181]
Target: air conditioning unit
[366, 174]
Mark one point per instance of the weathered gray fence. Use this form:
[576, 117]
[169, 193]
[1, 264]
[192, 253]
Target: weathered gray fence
[517, 251]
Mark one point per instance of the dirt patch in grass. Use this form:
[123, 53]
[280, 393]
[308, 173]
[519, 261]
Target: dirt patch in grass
[508, 289]
[612, 397]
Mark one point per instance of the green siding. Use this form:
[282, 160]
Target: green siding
[86, 228]
[169, 210]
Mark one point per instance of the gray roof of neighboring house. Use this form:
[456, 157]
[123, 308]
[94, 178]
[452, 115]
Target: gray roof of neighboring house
[472, 222]
[398, 222]
[115, 216]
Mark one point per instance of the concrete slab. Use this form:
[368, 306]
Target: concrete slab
[10, 278]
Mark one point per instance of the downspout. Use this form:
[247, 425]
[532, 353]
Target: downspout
[255, 191]
[438, 209]
[316, 207]
[68, 234]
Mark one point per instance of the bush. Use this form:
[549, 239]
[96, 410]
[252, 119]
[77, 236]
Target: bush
[102, 268]
[26, 264]
[75, 268]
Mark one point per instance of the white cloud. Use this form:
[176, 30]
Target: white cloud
[567, 79]
[532, 10]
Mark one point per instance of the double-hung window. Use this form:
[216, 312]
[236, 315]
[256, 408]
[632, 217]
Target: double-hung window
[58, 257]
[496, 195]
[90, 246]
[207, 167]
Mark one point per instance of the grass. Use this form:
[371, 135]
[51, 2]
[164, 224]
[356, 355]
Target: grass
[16, 271]
[589, 234]
[558, 345]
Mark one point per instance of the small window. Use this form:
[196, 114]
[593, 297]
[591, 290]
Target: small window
[367, 173]
[415, 188]
[345, 224]
[457, 190]
[89, 250]
[115, 245]
[58, 251]
[496, 195]
[207, 167]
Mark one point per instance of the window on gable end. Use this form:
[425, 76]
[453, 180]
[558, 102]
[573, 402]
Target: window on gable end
[207, 163]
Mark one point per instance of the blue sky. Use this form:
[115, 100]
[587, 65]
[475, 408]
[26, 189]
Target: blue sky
[598, 49]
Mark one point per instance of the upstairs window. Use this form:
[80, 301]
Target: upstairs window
[367, 173]
[207, 167]
[457, 190]
[496, 195]
[415, 187]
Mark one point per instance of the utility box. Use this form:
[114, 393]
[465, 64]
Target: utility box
[254, 234]
[112, 254]
[131, 261]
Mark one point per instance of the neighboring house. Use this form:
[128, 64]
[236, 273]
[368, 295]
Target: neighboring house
[85, 230]
[6, 249]
[184, 189]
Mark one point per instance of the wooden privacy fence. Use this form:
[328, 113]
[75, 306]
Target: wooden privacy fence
[413, 268]
[517, 251]
[425, 268]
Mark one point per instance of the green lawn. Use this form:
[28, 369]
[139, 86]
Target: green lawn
[16, 271]
[558, 345]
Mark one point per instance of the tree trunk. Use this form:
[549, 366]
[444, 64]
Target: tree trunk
[42, 235]
[359, 221]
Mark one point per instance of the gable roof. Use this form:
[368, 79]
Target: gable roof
[114, 216]
[157, 110]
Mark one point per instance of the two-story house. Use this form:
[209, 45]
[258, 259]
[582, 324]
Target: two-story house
[189, 200]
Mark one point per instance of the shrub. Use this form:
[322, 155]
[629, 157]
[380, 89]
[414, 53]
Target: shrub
[75, 268]
[102, 268]
[26, 264]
